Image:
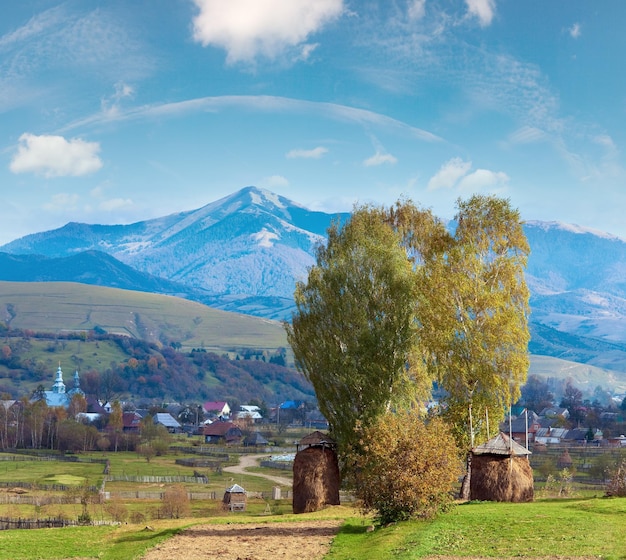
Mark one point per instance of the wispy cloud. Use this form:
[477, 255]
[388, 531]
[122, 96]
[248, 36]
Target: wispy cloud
[111, 105]
[54, 156]
[575, 31]
[262, 103]
[527, 135]
[248, 29]
[62, 202]
[315, 153]
[274, 181]
[380, 158]
[416, 9]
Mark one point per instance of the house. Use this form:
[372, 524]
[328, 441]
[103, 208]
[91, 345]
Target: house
[166, 419]
[219, 408]
[250, 411]
[552, 436]
[131, 422]
[222, 432]
[526, 424]
[555, 411]
[255, 439]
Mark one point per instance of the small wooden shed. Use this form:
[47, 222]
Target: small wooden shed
[501, 471]
[315, 473]
[234, 498]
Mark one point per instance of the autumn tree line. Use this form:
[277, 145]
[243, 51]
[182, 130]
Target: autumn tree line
[156, 371]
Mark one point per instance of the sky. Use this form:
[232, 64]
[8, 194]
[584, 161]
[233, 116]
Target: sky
[125, 110]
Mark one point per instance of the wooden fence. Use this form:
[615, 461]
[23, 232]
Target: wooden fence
[153, 479]
[13, 523]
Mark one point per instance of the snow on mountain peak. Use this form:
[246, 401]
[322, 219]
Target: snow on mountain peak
[573, 228]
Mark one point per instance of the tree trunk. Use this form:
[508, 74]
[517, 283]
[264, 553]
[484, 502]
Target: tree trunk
[465, 485]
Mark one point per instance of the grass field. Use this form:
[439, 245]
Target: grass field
[65, 306]
[571, 528]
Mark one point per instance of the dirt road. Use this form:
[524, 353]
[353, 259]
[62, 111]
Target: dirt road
[247, 461]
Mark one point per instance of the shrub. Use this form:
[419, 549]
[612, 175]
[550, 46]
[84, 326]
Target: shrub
[617, 480]
[405, 468]
[175, 502]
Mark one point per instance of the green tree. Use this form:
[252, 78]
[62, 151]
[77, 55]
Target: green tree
[408, 467]
[354, 332]
[476, 328]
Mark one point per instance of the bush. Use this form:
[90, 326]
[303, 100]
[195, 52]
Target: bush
[617, 480]
[175, 502]
[405, 468]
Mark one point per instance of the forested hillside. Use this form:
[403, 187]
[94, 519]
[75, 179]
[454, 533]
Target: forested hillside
[140, 369]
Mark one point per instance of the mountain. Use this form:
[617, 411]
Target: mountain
[244, 253]
[88, 267]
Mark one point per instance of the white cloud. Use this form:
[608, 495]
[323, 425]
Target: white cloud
[483, 9]
[54, 156]
[527, 135]
[417, 9]
[483, 179]
[449, 174]
[575, 31]
[315, 153]
[379, 158]
[247, 29]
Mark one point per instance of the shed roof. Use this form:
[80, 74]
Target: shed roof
[501, 445]
[236, 489]
[317, 438]
[166, 419]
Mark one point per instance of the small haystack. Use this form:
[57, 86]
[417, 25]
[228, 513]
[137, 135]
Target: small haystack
[234, 498]
[501, 472]
[315, 474]
[565, 460]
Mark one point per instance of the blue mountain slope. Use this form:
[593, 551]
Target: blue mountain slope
[245, 252]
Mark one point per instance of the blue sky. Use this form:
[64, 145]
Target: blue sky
[120, 111]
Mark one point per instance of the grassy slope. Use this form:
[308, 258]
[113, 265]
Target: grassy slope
[572, 528]
[586, 377]
[61, 306]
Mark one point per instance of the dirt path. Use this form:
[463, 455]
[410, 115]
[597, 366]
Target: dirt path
[308, 540]
[246, 461]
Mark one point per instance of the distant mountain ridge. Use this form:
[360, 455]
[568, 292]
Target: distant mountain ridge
[244, 253]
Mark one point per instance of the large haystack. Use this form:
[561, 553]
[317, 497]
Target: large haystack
[501, 472]
[315, 479]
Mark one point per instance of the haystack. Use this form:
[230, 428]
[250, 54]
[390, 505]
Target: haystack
[501, 472]
[565, 460]
[315, 474]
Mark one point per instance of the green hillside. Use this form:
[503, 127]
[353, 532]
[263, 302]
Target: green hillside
[585, 377]
[64, 306]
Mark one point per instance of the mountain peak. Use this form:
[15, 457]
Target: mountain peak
[572, 228]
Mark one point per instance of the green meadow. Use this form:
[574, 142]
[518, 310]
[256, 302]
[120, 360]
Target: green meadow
[556, 529]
